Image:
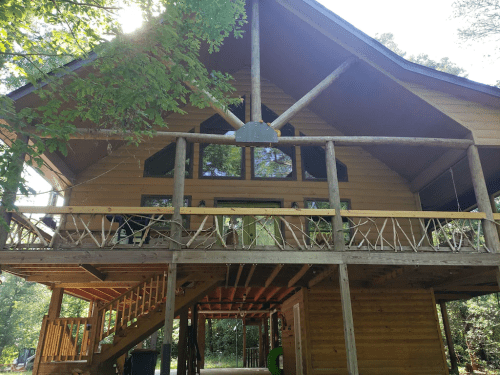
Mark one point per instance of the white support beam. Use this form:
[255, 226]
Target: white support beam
[255, 64]
[311, 95]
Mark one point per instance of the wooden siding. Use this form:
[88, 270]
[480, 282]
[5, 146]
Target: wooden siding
[117, 180]
[397, 332]
[482, 120]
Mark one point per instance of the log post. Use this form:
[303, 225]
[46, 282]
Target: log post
[483, 199]
[57, 239]
[334, 197]
[244, 343]
[183, 326]
[255, 63]
[9, 194]
[166, 350]
[55, 303]
[194, 333]
[178, 196]
[265, 334]
[201, 341]
[449, 340]
[350, 344]
[261, 347]
[41, 345]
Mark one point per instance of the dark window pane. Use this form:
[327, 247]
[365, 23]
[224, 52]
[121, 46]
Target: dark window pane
[164, 201]
[162, 163]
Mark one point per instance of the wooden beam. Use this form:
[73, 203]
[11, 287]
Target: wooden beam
[97, 256]
[299, 275]
[272, 276]
[93, 271]
[106, 134]
[483, 199]
[238, 275]
[256, 114]
[250, 274]
[55, 303]
[182, 343]
[311, 95]
[322, 275]
[166, 350]
[449, 340]
[380, 280]
[178, 196]
[350, 343]
[436, 169]
[470, 288]
[201, 341]
[334, 197]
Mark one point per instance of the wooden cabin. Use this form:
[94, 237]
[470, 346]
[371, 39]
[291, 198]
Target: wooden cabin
[372, 206]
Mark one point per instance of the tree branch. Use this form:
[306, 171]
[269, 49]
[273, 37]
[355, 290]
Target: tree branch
[90, 5]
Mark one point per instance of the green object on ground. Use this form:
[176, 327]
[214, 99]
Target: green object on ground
[273, 361]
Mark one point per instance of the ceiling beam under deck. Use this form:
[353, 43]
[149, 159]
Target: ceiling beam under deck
[96, 257]
[273, 275]
[93, 271]
[299, 275]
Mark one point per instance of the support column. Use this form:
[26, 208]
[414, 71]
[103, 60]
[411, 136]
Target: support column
[261, 346]
[55, 303]
[483, 199]
[178, 196]
[350, 344]
[194, 334]
[265, 335]
[9, 194]
[56, 239]
[244, 343]
[334, 197]
[255, 63]
[274, 331]
[182, 347]
[166, 350]
[449, 340]
[201, 341]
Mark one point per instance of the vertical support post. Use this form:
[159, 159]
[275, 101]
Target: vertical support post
[350, 343]
[153, 340]
[166, 350]
[265, 334]
[41, 345]
[255, 63]
[334, 197]
[201, 341]
[56, 240]
[183, 326]
[244, 343]
[483, 199]
[55, 303]
[274, 330]
[261, 346]
[449, 340]
[178, 196]
[194, 335]
[9, 194]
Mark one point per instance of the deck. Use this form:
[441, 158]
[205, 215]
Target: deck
[228, 371]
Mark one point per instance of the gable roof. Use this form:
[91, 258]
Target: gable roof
[301, 43]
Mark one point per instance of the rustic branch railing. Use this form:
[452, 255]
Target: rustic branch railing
[124, 310]
[252, 356]
[66, 339]
[261, 228]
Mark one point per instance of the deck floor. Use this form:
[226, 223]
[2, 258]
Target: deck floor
[228, 371]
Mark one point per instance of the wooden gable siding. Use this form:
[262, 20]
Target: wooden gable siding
[117, 180]
[482, 120]
[397, 332]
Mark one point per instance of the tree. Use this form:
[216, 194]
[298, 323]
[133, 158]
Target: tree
[482, 19]
[129, 83]
[443, 65]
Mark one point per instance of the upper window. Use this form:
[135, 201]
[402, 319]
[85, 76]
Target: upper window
[162, 164]
[314, 164]
[319, 227]
[222, 161]
[274, 162]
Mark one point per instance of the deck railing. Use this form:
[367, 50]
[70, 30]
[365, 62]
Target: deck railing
[66, 339]
[259, 228]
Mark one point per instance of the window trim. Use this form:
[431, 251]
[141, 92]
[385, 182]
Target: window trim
[168, 196]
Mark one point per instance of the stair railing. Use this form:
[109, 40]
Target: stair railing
[126, 309]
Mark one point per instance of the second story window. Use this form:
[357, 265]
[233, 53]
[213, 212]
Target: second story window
[222, 161]
[165, 201]
[274, 162]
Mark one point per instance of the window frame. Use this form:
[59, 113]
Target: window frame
[349, 207]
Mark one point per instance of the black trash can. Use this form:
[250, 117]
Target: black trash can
[143, 362]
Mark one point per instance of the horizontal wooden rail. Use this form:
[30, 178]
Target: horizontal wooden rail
[105, 134]
[102, 210]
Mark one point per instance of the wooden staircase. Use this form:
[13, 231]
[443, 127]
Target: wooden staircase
[118, 326]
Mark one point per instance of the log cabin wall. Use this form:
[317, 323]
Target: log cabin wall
[371, 184]
[397, 332]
